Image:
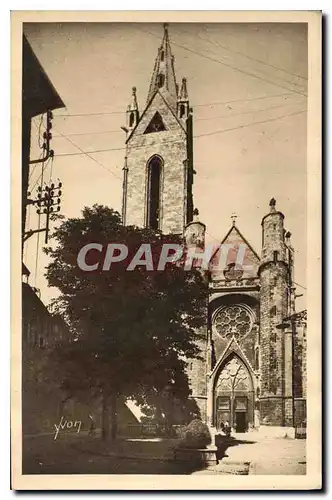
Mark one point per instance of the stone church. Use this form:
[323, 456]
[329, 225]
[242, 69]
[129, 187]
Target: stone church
[254, 368]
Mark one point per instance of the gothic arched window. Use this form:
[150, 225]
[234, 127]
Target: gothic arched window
[162, 55]
[182, 111]
[131, 119]
[234, 377]
[153, 201]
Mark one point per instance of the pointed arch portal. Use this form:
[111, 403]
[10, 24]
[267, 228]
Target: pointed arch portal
[233, 395]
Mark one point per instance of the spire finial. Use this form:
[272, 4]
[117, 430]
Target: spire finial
[166, 27]
[272, 204]
[233, 218]
[134, 105]
[183, 96]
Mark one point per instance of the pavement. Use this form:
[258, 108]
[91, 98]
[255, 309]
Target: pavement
[242, 454]
[269, 455]
[251, 453]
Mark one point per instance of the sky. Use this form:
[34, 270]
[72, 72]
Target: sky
[247, 85]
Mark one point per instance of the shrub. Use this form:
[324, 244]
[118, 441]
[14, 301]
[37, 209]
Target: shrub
[195, 435]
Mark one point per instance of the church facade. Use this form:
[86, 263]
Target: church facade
[253, 367]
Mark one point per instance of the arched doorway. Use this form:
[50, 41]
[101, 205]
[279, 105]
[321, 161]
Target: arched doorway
[234, 395]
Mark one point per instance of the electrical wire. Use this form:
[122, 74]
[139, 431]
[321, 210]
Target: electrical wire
[250, 124]
[51, 170]
[178, 140]
[206, 118]
[111, 172]
[87, 153]
[228, 65]
[215, 103]
[25, 254]
[242, 54]
[34, 167]
[248, 112]
[298, 284]
[39, 177]
[39, 217]
[41, 122]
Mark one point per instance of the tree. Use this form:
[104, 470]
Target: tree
[130, 330]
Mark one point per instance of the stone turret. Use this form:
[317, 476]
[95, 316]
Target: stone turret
[183, 101]
[194, 232]
[274, 284]
[132, 112]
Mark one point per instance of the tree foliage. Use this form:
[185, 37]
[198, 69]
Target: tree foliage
[130, 331]
[196, 435]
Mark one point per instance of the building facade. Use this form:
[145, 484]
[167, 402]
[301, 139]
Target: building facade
[253, 369]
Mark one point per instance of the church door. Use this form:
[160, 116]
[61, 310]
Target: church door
[233, 395]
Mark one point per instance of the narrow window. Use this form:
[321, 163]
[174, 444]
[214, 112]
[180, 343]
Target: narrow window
[182, 110]
[154, 176]
[257, 359]
[275, 255]
[162, 55]
[41, 342]
[131, 119]
[161, 80]
[273, 311]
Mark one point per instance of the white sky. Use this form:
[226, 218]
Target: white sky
[94, 66]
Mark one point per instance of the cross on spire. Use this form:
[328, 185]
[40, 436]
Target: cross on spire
[233, 217]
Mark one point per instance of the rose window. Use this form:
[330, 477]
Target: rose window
[233, 320]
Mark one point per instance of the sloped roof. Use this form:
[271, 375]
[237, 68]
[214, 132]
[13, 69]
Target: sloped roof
[235, 239]
[147, 109]
[38, 93]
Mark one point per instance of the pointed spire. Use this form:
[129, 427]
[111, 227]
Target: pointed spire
[183, 96]
[133, 106]
[195, 215]
[272, 205]
[132, 112]
[163, 76]
[233, 217]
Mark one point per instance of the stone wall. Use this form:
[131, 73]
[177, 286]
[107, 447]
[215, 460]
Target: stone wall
[274, 307]
[273, 311]
[197, 373]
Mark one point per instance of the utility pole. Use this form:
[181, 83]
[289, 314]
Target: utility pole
[48, 201]
[47, 136]
[47, 153]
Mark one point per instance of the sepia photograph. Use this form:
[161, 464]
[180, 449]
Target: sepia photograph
[164, 211]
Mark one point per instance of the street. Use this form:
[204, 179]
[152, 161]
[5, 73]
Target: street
[80, 454]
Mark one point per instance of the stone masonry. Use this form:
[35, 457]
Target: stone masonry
[253, 366]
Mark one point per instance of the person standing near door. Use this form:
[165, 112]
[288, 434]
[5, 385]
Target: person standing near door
[227, 428]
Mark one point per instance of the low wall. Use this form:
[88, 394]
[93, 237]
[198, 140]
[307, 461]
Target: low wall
[275, 431]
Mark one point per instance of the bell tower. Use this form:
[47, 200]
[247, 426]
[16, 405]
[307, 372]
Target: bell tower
[158, 171]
